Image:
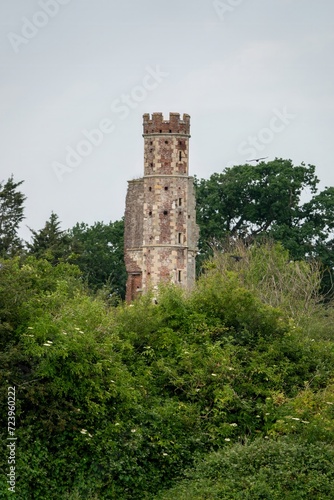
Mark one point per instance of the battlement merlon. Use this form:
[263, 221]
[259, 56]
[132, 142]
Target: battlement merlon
[157, 124]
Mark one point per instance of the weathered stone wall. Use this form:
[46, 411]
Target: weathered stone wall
[133, 237]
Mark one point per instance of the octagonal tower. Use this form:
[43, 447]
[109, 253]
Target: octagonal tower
[161, 233]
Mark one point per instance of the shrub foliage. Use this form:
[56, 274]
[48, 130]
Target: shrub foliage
[121, 402]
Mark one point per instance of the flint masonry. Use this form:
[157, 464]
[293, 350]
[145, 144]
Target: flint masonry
[161, 233]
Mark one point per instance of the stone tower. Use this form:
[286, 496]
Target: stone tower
[160, 220]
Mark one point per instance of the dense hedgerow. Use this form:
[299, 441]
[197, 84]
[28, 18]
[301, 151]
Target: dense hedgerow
[117, 403]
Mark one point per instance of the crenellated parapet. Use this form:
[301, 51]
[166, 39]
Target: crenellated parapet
[157, 125]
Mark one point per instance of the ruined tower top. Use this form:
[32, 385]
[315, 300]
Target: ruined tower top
[157, 124]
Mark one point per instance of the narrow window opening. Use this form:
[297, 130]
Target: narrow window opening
[180, 202]
[166, 142]
[151, 165]
[179, 276]
[180, 238]
[160, 131]
[151, 143]
[166, 188]
[150, 189]
[165, 212]
[188, 216]
[180, 155]
[170, 131]
[150, 213]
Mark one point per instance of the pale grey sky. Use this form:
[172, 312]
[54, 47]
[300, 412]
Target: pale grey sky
[256, 76]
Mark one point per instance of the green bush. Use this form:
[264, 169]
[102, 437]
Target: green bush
[285, 469]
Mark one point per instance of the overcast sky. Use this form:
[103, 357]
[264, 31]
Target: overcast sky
[256, 77]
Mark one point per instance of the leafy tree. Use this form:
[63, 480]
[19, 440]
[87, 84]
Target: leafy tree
[50, 242]
[11, 215]
[100, 254]
[250, 202]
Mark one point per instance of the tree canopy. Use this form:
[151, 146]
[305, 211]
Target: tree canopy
[100, 255]
[267, 199]
[50, 242]
[11, 215]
